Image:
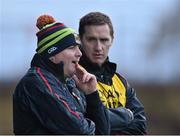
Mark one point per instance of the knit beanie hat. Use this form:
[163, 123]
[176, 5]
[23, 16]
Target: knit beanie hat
[53, 37]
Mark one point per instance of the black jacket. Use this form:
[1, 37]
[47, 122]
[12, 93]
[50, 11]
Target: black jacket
[122, 120]
[44, 102]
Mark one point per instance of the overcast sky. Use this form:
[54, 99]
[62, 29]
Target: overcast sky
[137, 23]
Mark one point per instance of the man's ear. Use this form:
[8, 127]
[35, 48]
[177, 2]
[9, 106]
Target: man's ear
[111, 42]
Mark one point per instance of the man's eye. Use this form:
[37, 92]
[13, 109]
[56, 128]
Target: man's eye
[91, 39]
[71, 47]
[104, 40]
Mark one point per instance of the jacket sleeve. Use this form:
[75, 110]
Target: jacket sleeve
[131, 119]
[139, 123]
[54, 113]
[125, 122]
[98, 113]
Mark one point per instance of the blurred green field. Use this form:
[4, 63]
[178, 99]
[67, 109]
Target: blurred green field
[6, 109]
[161, 105]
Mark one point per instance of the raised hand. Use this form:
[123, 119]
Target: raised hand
[84, 80]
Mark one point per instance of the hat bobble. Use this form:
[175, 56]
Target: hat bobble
[53, 37]
[44, 20]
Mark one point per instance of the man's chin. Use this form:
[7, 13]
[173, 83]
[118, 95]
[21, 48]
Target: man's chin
[70, 74]
[98, 63]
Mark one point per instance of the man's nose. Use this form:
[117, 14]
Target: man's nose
[78, 52]
[98, 45]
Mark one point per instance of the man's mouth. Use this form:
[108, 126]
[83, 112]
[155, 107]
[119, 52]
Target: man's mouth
[98, 55]
[75, 62]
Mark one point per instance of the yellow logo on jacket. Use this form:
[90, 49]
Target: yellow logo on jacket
[114, 95]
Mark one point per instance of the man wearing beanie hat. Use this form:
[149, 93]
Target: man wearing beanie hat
[47, 99]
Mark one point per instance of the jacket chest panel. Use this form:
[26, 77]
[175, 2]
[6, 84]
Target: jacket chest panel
[113, 95]
[73, 99]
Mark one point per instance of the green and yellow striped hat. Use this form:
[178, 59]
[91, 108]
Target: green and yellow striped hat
[54, 37]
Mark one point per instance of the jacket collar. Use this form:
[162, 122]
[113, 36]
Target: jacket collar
[44, 63]
[107, 69]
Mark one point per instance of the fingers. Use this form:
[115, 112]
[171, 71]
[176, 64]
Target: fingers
[83, 75]
[83, 79]
[80, 70]
[86, 78]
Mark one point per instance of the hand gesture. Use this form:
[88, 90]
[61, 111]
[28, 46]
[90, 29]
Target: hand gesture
[84, 80]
